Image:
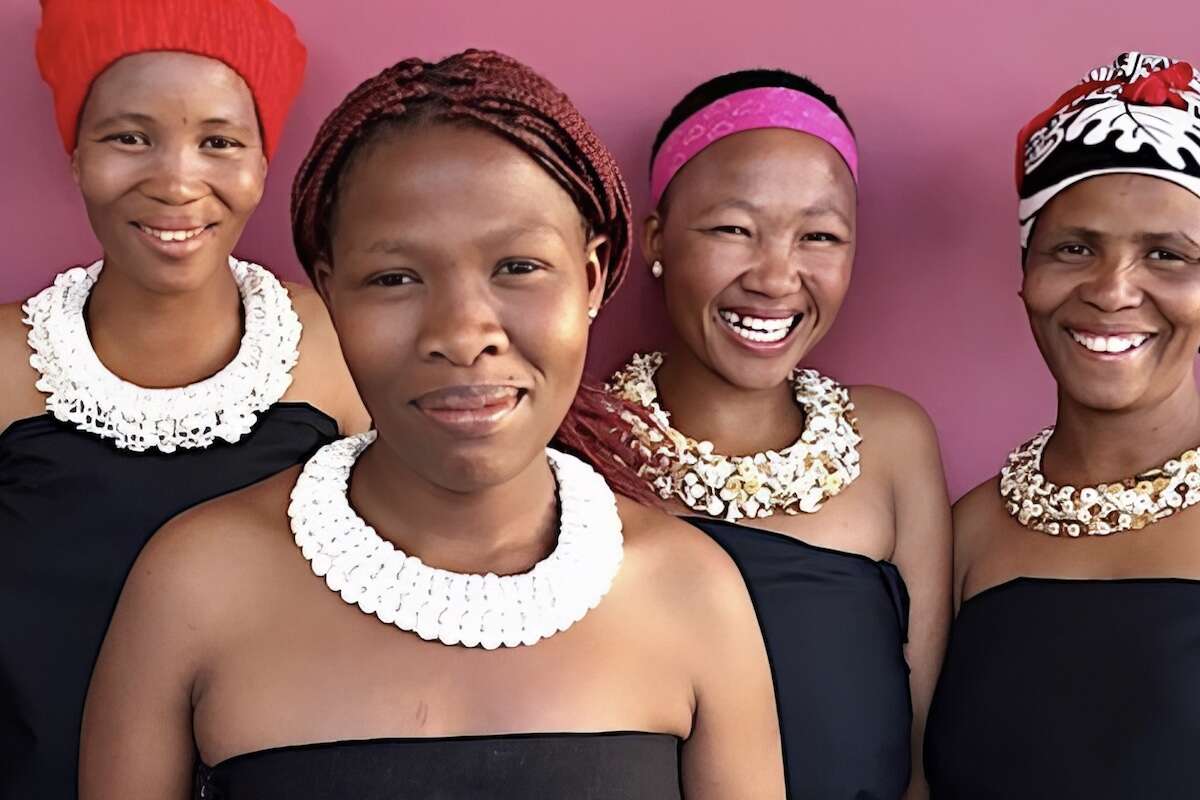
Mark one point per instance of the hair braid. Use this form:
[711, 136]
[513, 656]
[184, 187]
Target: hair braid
[505, 97]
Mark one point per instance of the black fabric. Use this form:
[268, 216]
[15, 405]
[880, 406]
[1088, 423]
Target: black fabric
[834, 624]
[579, 766]
[1058, 689]
[75, 512]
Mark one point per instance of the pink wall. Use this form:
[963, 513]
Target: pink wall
[936, 91]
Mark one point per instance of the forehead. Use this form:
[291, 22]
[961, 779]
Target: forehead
[145, 80]
[771, 164]
[1123, 202]
[450, 181]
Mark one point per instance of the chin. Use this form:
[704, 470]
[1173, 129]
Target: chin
[748, 372]
[1102, 397]
[474, 469]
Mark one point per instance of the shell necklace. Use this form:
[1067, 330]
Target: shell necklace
[455, 608]
[81, 391]
[797, 479]
[1129, 504]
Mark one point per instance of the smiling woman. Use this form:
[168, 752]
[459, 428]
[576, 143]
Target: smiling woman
[1072, 667]
[164, 374]
[525, 632]
[830, 498]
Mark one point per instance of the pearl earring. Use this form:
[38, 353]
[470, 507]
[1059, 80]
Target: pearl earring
[592, 312]
[656, 269]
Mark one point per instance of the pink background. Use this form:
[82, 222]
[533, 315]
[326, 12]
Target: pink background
[936, 91]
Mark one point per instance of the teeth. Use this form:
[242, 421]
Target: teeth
[758, 329]
[172, 236]
[1110, 344]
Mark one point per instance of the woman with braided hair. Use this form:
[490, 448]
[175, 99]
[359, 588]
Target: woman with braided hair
[520, 630]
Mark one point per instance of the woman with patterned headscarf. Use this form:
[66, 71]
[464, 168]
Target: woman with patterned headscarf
[1073, 661]
[164, 374]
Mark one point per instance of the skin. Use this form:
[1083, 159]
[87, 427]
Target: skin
[765, 221]
[171, 140]
[1111, 254]
[428, 295]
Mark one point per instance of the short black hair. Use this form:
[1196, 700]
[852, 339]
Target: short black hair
[731, 82]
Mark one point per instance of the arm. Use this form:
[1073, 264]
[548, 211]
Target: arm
[19, 398]
[734, 751]
[924, 555]
[137, 727]
[321, 377]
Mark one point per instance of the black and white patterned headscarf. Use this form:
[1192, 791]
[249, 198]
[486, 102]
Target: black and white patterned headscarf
[1140, 115]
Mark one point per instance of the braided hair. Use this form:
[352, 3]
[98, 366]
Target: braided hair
[501, 96]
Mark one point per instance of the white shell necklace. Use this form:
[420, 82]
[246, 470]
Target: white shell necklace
[455, 608]
[84, 393]
[797, 479]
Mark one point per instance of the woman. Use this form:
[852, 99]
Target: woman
[144, 384]
[838, 497]
[463, 223]
[1072, 667]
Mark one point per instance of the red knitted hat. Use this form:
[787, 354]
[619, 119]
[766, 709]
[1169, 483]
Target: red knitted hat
[79, 39]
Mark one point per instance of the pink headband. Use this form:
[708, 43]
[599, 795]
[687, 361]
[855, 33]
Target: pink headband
[751, 109]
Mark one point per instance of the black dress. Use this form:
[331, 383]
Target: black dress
[570, 766]
[834, 624]
[74, 513]
[1057, 689]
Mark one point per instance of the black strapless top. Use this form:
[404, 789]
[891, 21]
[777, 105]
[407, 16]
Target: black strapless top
[834, 624]
[1057, 689]
[75, 512]
[574, 766]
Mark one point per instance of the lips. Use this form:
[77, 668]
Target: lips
[758, 329]
[174, 239]
[471, 411]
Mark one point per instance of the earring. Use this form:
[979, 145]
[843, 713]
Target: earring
[592, 312]
[656, 269]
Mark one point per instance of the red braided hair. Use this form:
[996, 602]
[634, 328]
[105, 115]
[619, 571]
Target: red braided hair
[507, 98]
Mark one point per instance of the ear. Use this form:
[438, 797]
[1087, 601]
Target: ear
[651, 239]
[322, 279]
[597, 269]
[75, 165]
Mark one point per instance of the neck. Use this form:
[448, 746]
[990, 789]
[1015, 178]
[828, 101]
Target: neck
[738, 421]
[1091, 446]
[161, 340]
[504, 529]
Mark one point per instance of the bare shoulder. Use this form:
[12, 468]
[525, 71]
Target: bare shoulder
[973, 516]
[892, 415]
[208, 561]
[19, 398]
[321, 377]
[684, 566]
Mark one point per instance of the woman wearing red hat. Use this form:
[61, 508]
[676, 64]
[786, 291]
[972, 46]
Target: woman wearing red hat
[168, 372]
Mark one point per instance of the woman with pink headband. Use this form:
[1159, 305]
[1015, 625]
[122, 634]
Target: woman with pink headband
[829, 498]
[1072, 669]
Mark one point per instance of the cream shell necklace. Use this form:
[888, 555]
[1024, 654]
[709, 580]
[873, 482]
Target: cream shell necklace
[797, 479]
[1129, 504]
[81, 391]
[455, 608]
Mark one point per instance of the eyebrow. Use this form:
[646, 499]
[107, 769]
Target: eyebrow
[401, 247]
[811, 211]
[1168, 236]
[125, 116]
[147, 119]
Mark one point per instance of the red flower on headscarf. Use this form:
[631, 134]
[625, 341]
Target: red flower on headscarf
[1161, 87]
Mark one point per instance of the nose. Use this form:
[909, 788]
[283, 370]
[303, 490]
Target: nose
[176, 176]
[461, 325]
[776, 273]
[1111, 284]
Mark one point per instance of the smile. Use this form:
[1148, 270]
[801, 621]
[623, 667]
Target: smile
[171, 236]
[1112, 344]
[470, 411]
[760, 330]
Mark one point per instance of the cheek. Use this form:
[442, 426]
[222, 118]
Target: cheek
[103, 180]
[241, 188]
[550, 334]
[376, 338]
[1043, 292]
[694, 280]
